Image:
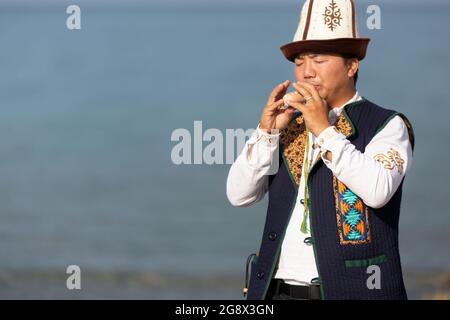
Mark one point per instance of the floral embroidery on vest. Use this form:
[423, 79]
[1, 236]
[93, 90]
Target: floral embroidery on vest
[352, 215]
[293, 141]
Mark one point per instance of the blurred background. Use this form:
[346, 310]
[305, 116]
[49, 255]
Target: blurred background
[86, 117]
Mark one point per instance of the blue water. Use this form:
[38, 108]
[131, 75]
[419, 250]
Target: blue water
[86, 118]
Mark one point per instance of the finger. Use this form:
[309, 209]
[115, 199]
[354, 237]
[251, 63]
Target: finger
[276, 105]
[311, 90]
[297, 105]
[304, 92]
[294, 96]
[277, 91]
[289, 110]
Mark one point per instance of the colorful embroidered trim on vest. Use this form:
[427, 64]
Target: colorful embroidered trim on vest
[352, 215]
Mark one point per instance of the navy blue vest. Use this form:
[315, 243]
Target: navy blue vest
[347, 235]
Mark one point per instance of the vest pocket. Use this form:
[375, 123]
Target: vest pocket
[364, 263]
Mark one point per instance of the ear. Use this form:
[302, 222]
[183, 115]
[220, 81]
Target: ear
[353, 66]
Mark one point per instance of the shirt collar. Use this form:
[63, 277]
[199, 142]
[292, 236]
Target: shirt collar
[335, 112]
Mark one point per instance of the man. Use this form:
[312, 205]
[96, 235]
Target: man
[331, 229]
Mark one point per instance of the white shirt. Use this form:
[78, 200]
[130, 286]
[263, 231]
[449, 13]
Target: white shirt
[374, 182]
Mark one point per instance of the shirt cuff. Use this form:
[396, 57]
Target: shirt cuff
[270, 139]
[261, 149]
[327, 140]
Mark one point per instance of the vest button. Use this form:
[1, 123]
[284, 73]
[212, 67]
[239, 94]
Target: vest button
[260, 275]
[273, 236]
[302, 201]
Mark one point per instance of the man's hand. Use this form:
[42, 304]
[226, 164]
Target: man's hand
[315, 109]
[272, 117]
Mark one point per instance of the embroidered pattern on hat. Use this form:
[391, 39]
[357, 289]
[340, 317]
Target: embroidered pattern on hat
[391, 160]
[352, 215]
[332, 16]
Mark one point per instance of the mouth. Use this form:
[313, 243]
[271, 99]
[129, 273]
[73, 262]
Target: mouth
[315, 85]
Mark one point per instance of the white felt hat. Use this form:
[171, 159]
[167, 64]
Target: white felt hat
[327, 26]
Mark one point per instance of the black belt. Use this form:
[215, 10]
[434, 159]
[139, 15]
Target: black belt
[311, 292]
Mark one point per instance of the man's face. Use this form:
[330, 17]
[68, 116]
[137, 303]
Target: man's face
[327, 72]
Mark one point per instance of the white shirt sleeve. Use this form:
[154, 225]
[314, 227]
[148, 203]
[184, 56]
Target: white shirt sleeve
[376, 174]
[248, 179]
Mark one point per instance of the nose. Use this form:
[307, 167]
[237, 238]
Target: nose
[308, 70]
